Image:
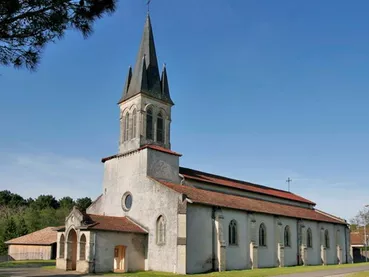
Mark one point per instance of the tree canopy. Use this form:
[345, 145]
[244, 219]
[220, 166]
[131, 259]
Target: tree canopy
[19, 216]
[26, 26]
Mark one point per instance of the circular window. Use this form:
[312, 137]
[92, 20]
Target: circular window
[127, 201]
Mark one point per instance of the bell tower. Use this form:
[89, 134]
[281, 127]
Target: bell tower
[145, 106]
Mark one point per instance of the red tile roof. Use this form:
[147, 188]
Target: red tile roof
[112, 223]
[161, 149]
[227, 182]
[212, 198]
[44, 236]
[357, 237]
[154, 147]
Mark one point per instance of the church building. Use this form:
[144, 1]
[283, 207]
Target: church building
[155, 215]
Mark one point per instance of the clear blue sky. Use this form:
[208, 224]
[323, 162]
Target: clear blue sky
[264, 90]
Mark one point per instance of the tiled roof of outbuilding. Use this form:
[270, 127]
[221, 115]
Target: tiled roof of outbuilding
[212, 198]
[44, 236]
[357, 237]
[237, 184]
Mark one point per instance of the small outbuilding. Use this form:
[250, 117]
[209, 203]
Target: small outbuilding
[39, 245]
[357, 238]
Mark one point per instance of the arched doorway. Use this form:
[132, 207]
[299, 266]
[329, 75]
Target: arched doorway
[119, 258]
[72, 250]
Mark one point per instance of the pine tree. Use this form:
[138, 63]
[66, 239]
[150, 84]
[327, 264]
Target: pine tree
[27, 26]
[10, 230]
[22, 228]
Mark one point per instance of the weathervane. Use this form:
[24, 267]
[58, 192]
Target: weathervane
[289, 180]
[148, 6]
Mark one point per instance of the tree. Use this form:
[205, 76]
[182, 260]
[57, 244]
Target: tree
[26, 26]
[22, 227]
[5, 197]
[11, 199]
[83, 203]
[10, 232]
[10, 229]
[45, 201]
[66, 203]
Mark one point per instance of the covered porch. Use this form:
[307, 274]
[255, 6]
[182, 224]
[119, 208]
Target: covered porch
[96, 243]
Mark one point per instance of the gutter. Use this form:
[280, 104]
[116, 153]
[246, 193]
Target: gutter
[183, 179]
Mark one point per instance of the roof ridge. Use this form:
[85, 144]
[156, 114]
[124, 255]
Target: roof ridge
[106, 215]
[331, 215]
[238, 180]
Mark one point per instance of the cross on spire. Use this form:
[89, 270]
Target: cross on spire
[288, 181]
[148, 6]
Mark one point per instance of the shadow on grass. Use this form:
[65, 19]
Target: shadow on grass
[27, 264]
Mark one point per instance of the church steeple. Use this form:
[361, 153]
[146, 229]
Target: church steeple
[146, 78]
[145, 106]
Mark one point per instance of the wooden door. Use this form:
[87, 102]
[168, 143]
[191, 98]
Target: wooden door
[119, 258]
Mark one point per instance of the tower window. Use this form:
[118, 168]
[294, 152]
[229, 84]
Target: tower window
[134, 124]
[126, 128]
[149, 133]
[160, 128]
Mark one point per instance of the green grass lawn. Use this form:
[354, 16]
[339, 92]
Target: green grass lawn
[28, 263]
[265, 272]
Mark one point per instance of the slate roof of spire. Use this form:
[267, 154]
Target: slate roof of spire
[146, 77]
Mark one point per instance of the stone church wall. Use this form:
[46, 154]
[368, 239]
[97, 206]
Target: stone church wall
[237, 256]
[202, 240]
[200, 231]
[290, 252]
[266, 254]
[135, 252]
[150, 200]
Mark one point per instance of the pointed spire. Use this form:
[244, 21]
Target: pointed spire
[128, 82]
[143, 81]
[165, 85]
[149, 68]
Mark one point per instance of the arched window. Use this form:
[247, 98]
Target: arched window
[160, 230]
[287, 236]
[262, 235]
[122, 123]
[126, 127]
[149, 133]
[160, 128]
[326, 239]
[232, 232]
[61, 246]
[337, 237]
[82, 248]
[134, 124]
[309, 237]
